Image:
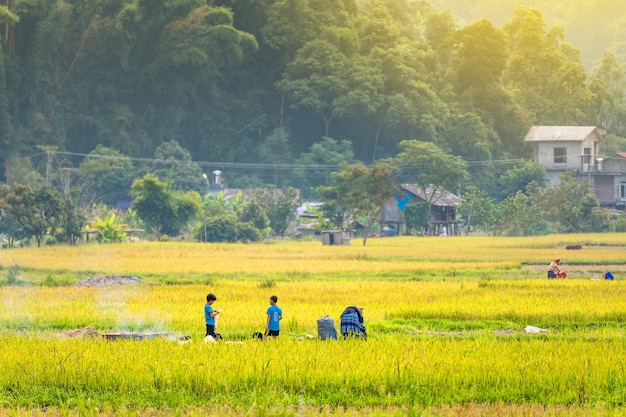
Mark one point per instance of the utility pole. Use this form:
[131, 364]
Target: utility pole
[66, 181]
[48, 167]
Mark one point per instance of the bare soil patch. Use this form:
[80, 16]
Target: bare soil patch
[106, 280]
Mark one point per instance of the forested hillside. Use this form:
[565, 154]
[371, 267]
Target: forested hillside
[297, 82]
[593, 26]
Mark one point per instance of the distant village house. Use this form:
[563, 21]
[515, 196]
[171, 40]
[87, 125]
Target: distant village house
[576, 148]
[442, 209]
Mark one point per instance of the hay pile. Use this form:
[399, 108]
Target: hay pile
[88, 331]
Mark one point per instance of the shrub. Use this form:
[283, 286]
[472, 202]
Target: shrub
[110, 229]
[246, 232]
[226, 229]
[218, 229]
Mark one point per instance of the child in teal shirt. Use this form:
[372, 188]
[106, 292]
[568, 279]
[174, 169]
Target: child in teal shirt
[274, 316]
[210, 315]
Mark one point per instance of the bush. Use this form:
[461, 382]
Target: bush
[220, 229]
[226, 229]
[246, 232]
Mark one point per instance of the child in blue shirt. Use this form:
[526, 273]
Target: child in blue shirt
[210, 315]
[274, 316]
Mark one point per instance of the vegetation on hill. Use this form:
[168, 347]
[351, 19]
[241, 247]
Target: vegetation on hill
[265, 83]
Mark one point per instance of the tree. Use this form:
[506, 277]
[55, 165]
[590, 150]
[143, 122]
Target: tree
[165, 211]
[438, 26]
[8, 222]
[216, 205]
[290, 25]
[471, 139]
[570, 204]
[33, 74]
[275, 150]
[483, 53]
[608, 89]
[467, 136]
[314, 167]
[391, 91]
[520, 176]
[252, 213]
[227, 229]
[5, 121]
[173, 163]
[230, 220]
[278, 205]
[477, 208]
[517, 216]
[478, 55]
[316, 79]
[361, 191]
[72, 218]
[545, 73]
[429, 168]
[20, 170]
[105, 175]
[35, 211]
[377, 28]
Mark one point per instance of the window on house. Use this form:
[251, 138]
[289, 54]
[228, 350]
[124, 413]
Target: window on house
[560, 155]
[622, 189]
[587, 156]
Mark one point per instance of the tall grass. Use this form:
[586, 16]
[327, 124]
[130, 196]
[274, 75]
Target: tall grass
[386, 371]
[389, 305]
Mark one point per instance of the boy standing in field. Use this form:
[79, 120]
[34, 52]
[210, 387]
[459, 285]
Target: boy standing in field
[210, 315]
[274, 316]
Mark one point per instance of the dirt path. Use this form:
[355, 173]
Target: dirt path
[591, 271]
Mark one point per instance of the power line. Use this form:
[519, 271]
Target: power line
[248, 165]
[263, 166]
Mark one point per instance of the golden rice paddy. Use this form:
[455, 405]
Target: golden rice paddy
[446, 319]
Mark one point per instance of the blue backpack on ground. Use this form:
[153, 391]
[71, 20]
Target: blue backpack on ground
[326, 328]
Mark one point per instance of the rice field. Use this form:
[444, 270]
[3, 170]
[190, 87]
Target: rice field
[446, 320]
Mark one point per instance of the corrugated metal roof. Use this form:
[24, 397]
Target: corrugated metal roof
[562, 133]
[442, 198]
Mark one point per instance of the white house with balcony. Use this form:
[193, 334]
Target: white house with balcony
[565, 148]
[575, 148]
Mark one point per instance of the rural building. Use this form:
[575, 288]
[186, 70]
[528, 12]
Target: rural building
[565, 148]
[335, 237]
[442, 209]
[123, 204]
[576, 148]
